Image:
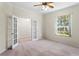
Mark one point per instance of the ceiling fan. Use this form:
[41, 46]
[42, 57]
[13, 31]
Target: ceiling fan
[46, 4]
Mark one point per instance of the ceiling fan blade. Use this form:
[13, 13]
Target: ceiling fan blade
[49, 2]
[51, 6]
[38, 5]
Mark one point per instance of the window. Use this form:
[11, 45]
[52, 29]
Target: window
[63, 25]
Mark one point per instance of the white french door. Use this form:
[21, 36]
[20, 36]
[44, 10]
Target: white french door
[12, 32]
[34, 30]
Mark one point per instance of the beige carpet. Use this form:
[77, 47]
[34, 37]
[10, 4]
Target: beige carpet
[41, 48]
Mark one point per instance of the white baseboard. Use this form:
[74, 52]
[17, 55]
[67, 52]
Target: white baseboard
[2, 51]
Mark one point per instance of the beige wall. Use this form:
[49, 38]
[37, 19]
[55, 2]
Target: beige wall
[50, 21]
[2, 29]
[9, 10]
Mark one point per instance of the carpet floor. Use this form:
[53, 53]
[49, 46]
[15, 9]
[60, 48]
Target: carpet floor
[41, 48]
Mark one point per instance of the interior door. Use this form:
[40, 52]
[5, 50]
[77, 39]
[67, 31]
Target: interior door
[12, 32]
[34, 30]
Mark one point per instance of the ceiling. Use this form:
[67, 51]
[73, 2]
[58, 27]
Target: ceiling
[29, 5]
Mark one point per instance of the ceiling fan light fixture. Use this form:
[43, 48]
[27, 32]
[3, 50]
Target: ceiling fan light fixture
[45, 7]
